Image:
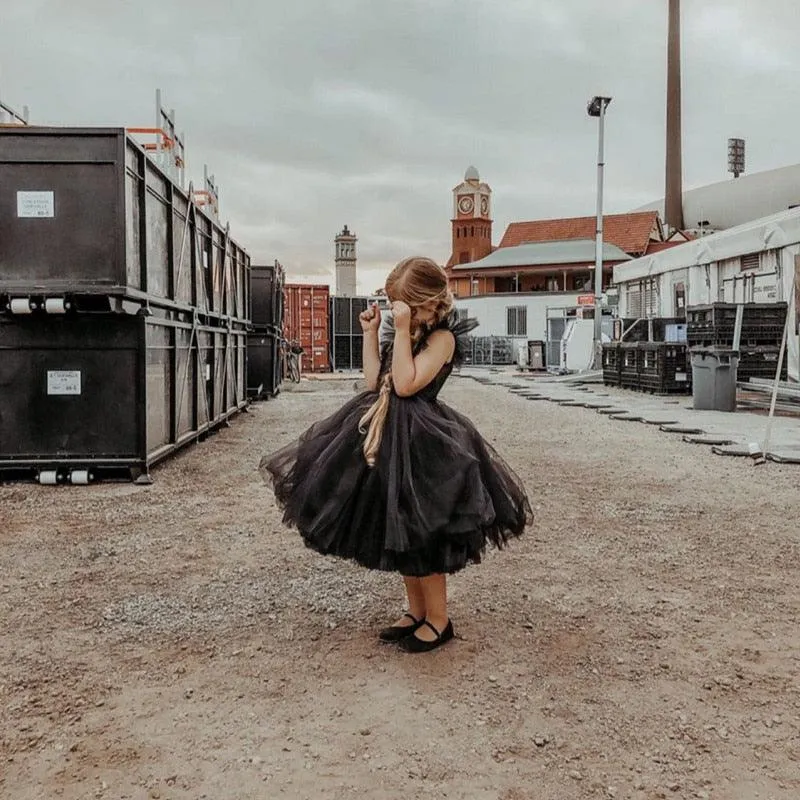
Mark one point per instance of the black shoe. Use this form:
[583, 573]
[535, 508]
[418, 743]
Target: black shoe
[413, 644]
[395, 633]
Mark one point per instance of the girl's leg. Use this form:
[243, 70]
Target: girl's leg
[434, 592]
[416, 602]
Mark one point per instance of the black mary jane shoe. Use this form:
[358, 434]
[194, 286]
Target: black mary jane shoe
[413, 644]
[395, 633]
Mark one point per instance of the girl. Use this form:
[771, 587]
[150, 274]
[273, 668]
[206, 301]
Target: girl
[395, 479]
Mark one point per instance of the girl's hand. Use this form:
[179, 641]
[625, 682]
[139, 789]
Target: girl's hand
[402, 315]
[370, 319]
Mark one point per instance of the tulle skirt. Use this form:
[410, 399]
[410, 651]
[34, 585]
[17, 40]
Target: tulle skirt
[436, 497]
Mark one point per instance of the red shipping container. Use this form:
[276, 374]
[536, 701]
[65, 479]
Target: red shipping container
[307, 308]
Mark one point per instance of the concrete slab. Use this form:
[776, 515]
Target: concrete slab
[709, 439]
[727, 433]
[739, 450]
[785, 455]
[681, 427]
[658, 419]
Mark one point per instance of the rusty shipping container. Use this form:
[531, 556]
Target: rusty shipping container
[306, 312]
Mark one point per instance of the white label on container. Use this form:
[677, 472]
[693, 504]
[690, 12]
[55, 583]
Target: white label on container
[36, 205]
[63, 381]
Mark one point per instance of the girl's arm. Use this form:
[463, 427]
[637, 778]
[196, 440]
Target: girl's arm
[372, 359]
[410, 374]
[370, 324]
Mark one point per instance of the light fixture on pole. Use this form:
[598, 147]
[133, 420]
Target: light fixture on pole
[736, 156]
[597, 108]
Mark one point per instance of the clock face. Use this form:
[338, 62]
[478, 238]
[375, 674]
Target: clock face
[465, 205]
[484, 205]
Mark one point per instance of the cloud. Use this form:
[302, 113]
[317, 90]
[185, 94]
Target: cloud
[313, 115]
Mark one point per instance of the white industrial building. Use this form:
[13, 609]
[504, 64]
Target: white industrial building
[737, 201]
[754, 262]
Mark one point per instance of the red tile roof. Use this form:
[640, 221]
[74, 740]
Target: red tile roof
[629, 232]
[657, 247]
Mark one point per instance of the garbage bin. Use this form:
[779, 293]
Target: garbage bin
[714, 378]
[536, 354]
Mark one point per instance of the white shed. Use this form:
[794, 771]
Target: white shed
[755, 262]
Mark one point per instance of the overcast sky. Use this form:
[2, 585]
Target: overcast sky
[314, 114]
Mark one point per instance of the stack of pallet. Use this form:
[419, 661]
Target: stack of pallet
[654, 367]
[712, 326]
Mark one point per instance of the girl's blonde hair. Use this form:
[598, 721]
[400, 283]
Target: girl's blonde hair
[415, 281]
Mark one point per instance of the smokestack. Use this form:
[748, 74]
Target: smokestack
[673, 200]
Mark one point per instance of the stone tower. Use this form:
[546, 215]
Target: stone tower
[346, 263]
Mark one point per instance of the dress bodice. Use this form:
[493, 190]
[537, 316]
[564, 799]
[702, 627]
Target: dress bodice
[460, 330]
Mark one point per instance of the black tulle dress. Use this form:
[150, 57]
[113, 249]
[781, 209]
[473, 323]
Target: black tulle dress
[437, 495]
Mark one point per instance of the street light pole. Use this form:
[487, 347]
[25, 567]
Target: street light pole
[597, 108]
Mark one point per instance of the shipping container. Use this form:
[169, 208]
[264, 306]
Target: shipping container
[86, 217]
[266, 293]
[264, 365]
[306, 313]
[93, 395]
[346, 336]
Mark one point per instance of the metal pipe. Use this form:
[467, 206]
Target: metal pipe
[673, 197]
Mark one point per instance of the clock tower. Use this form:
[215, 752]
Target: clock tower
[472, 220]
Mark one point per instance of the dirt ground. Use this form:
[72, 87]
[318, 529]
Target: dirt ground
[641, 641]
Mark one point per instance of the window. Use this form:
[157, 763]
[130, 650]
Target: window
[751, 261]
[472, 229]
[650, 297]
[643, 299]
[634, 298]
[458, 233]
[517, 319]
[582, 282]
[474, 287]
[552, 285]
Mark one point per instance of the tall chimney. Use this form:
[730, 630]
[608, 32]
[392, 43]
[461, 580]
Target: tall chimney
[673, 200]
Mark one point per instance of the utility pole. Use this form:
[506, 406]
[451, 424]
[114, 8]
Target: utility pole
[597, 108]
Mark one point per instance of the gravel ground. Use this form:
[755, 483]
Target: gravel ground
[173, 641]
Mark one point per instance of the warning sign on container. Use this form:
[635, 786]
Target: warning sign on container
[36, 205]
[63, 381]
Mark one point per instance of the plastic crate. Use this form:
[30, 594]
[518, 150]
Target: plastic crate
[714, 324]
[664, 368]
[761, 362]
[611, 364]
[629, 367]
